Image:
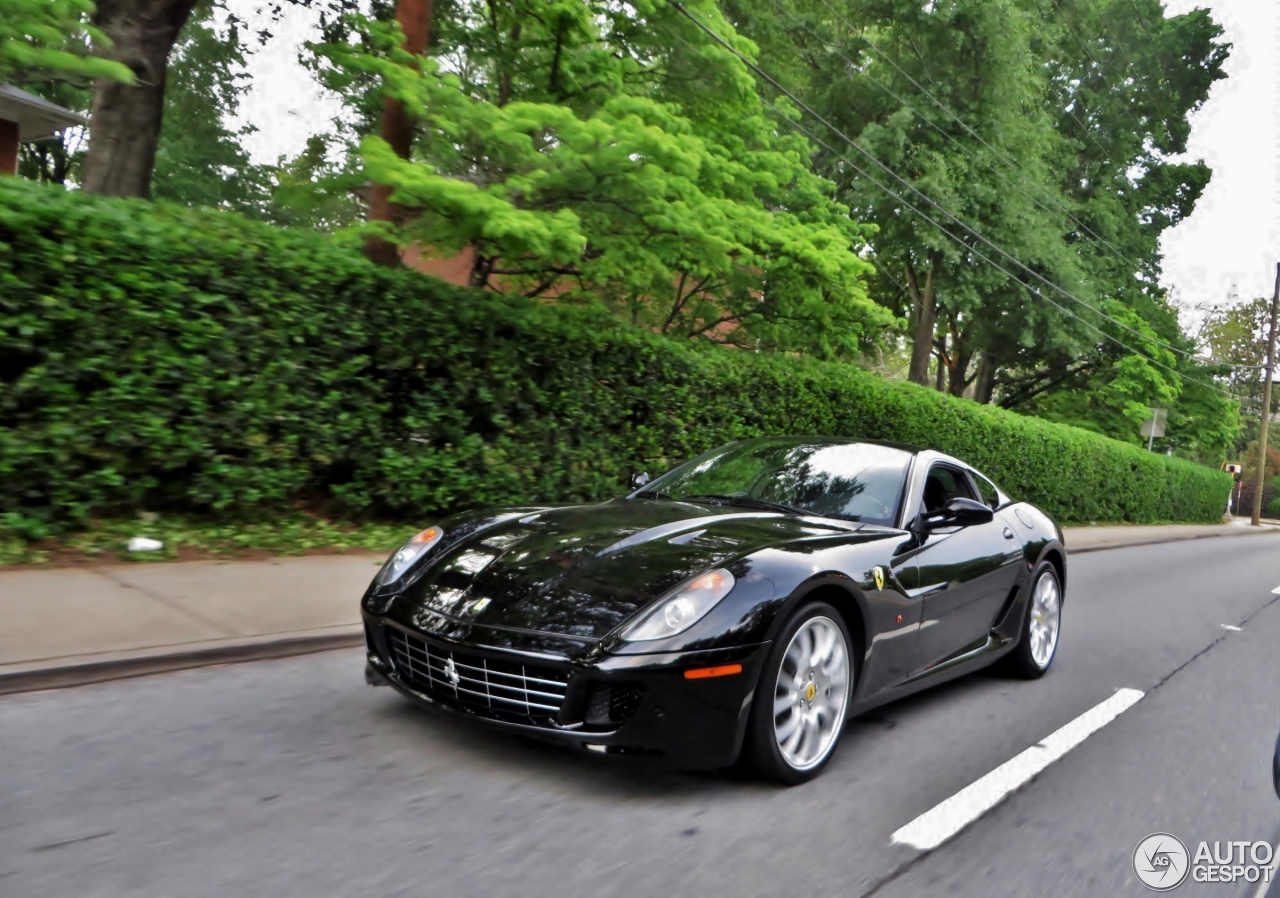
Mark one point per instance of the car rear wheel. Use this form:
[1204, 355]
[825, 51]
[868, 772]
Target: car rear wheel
[802, 697]
[1042, 626]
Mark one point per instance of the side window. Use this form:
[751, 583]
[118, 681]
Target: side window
[990, 495]
[941, 486]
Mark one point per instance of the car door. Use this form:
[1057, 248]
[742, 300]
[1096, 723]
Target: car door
[964, 575]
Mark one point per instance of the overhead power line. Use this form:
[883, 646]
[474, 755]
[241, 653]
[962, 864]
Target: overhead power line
[1142, 22]
[1116, 45]
[995, 264]
[1003, 157]
[1009, 162]
[804, 106]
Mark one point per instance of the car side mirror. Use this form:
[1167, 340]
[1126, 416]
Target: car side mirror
[635, 481]
[961, 512]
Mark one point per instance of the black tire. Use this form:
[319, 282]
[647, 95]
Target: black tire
[1275, 767]
[761, 753]
[1021, 662]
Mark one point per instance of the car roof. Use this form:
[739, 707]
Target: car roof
[836, 441]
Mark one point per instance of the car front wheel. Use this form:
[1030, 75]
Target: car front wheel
[802, 697]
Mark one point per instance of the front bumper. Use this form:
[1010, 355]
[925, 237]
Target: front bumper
[688, 724]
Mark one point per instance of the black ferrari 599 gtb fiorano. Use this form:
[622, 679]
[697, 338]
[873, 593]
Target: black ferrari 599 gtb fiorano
[746, 603]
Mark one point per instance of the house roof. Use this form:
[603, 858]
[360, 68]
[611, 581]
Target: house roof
[36, 117]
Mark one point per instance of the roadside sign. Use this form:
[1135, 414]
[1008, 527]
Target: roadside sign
[1154, 426]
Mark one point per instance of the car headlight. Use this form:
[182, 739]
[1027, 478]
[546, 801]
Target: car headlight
[683, 608]
[406, 555]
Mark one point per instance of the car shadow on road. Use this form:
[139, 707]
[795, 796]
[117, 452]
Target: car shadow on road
[557, 767]
[483, 748]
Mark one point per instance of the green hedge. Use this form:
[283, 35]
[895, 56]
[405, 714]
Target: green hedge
[162, 358]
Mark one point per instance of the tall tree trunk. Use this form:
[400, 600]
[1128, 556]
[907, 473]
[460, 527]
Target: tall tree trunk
[504, 85]
[924, 318]
[985, 381]
[124, 124]
[397, 130]
[957, 382]
[958, 379]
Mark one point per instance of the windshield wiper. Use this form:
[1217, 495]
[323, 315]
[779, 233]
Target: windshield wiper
[747, 502]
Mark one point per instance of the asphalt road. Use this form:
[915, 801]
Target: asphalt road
[292, 777]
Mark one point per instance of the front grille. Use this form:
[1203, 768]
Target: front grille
[507, 690]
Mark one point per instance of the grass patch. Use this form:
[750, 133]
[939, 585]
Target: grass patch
[191, 538]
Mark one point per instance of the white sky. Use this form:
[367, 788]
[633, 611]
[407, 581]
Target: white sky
[1233, 236]
[1232, 240]
[285, 103]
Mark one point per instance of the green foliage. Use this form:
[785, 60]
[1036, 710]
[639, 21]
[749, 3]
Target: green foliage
[1067, 150]
[616, 153]
[1250, 458]
[51, 37]
[313, 190]
[200, 161]
[1271, 499]
[1238, 334]
[179, 360]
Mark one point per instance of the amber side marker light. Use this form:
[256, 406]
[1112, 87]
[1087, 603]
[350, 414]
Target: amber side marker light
[702, 673]
[430, 535]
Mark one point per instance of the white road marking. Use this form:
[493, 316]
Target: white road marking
[1231, 627]
[1266, 880]
[935, 826]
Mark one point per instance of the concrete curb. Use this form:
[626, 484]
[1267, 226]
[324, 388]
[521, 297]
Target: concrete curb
[103, 671]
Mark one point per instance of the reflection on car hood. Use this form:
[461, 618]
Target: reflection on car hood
[581, 571]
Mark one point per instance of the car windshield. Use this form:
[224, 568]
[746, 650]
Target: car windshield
[853, 481]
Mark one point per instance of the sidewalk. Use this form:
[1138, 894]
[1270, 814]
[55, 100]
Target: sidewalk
[68, 626]
[75, 625]
[1092, 539]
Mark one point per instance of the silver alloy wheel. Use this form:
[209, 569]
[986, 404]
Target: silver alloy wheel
[812, 693]
[1046, 617]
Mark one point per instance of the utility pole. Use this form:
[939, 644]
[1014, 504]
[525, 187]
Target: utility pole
[1266, 406]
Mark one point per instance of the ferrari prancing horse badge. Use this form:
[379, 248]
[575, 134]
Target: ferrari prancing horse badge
[878, 573]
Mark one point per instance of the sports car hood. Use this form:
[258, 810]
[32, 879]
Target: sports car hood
[581, 571]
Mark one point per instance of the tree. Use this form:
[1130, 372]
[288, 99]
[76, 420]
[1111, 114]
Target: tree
[127, 117]
[1237, 334]
[1052, 128]
[592, 151]
[1124, 80]
[45, 49]
[140, 35]
[866, 67]
[414, 19]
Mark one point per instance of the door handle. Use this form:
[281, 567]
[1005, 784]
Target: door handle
[1008, 534]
